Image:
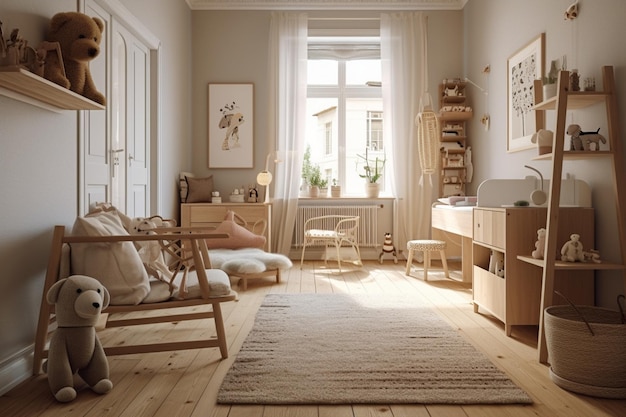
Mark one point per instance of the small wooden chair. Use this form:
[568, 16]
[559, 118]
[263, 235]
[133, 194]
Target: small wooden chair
[187, 247]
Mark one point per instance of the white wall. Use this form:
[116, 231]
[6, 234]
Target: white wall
[38, 187]
[38, 162]
[496, 29]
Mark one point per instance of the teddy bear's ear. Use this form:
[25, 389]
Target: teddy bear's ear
[99, 23]
[53, 293]
[58, 20]
[106, 297]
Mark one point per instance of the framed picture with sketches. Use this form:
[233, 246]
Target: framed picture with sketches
[524, 67]
[231, 125]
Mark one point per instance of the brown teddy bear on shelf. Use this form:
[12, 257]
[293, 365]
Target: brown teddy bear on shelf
[79, 37]
[74, 346]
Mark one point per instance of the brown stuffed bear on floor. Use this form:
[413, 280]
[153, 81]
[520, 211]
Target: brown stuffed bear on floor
[74, 346]
[79, 37]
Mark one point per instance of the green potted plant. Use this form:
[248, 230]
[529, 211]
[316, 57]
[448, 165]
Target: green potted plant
[316, 182]
[373, 171]
[335, 190]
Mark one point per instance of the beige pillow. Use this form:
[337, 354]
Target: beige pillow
[116, 265]
[199, 189]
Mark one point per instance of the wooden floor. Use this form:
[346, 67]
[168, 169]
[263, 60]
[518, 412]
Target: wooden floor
[185, 383]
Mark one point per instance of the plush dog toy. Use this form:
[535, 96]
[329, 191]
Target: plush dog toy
[79, 37]
[581, 141]
[74, 346]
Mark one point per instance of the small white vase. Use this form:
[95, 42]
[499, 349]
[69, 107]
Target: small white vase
[372, 189]
[549, 91]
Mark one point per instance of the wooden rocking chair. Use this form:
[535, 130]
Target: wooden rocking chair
[187, 247]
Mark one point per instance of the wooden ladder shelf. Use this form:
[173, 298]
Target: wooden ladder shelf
[566, 100]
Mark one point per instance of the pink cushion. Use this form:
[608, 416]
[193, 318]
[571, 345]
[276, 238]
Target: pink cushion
[240, 237]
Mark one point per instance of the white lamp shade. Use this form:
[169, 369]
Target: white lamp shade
[264, 178]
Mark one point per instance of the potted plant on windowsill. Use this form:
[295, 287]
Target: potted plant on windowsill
[318, 186]
[373, 171]
[335, 190]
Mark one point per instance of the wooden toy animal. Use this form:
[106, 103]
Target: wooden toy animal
[388, 247]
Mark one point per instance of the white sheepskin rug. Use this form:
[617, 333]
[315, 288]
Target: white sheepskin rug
[247, 261]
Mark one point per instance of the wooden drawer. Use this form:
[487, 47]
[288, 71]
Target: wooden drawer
[489, 227]
[489, 291]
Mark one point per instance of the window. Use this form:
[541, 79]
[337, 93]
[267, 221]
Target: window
[344, 108]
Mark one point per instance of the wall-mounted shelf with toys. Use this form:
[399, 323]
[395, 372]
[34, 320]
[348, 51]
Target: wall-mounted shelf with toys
[26, 72]
[453, 115]
[20, 84]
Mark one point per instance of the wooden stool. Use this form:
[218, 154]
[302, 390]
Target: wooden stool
[426, 246]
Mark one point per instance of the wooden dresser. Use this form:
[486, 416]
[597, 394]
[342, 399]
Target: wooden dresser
[209, 214]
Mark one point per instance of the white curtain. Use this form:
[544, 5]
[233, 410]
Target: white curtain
[403, 54]
[286, 127]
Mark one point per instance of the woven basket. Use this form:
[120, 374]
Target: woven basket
[587, 350]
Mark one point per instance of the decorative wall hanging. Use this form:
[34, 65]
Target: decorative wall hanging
[231, 125]
[525, 66]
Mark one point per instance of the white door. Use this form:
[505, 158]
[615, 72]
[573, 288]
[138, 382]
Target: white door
[116, 142]
[94, 143]
[131, 121]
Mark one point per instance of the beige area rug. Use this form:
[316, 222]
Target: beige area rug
[346, 349]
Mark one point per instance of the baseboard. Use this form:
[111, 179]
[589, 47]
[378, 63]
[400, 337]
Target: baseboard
[367, 254]
[16, 369]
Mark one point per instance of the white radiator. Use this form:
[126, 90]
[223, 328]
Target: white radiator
[368, 221]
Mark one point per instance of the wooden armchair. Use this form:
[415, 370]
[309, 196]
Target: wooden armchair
[187, 249]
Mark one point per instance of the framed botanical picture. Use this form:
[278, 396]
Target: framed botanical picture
[231, 125]
[524, 67]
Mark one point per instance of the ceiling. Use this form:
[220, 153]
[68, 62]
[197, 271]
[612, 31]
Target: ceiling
[326, 4]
